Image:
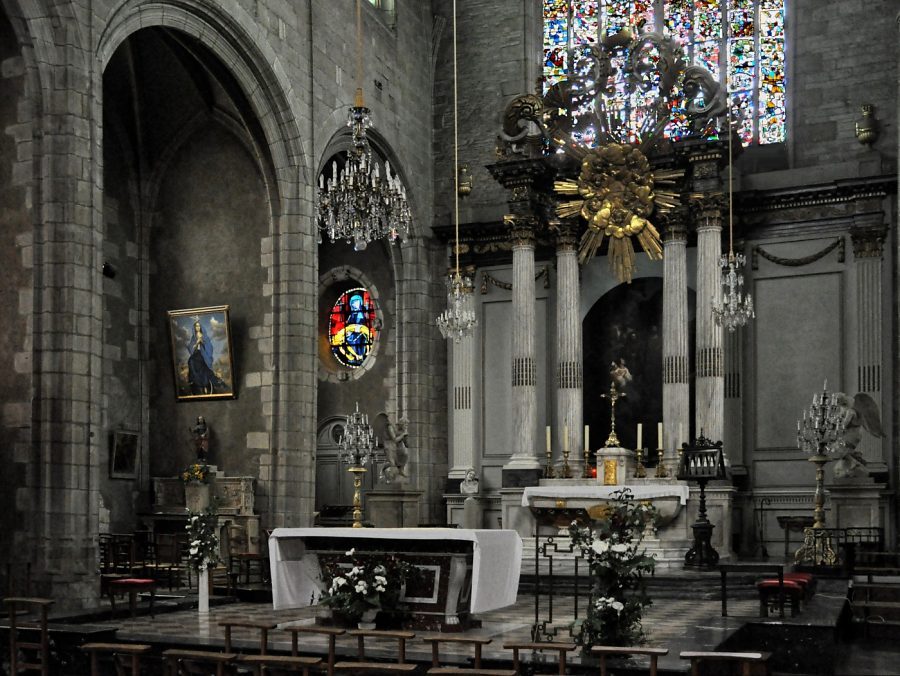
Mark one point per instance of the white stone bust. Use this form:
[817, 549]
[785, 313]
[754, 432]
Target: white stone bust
[469, 485]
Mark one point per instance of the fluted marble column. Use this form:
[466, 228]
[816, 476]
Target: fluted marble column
[524, 390]
[710, 391]
[868, 249]
[676, 389]
[462, 451]
[569, 365]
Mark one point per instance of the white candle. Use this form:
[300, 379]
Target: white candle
[640, 435]
[587, 437]
[565, 438]
[679, 439]
[659, 435]
[549, 447]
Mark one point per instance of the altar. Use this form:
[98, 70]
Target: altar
[554, 503]
[464, 571]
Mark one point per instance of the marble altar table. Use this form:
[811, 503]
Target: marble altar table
[472, 571]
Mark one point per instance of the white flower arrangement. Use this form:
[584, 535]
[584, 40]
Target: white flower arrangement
[371, 582]
[203, 539]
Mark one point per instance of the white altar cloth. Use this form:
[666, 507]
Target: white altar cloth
[496, 562]
[602, 492]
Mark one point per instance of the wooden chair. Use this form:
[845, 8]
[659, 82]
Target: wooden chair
[242, 563]
[263, 627]
[331, 633]
[562, 648]
[197, 662]
[604, 651]
[278, 664]
[42, 649]
[126, 656]
[476, 642]
[750, 663]
[363, 666]
[168, 559]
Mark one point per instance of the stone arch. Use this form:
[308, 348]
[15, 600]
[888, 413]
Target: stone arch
[253, 63]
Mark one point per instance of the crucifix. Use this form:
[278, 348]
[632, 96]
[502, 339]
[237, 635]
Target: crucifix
[614, 395]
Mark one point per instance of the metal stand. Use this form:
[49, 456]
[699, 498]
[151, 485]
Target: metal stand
[702, 554]
[612, 441]
[702, 463]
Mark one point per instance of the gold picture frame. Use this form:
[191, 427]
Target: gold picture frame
[202, 355]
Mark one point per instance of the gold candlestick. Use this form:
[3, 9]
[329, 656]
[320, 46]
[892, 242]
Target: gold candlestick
[612, 440]
[661, 472]
[548, 469]
[639, 471]
[565, 471]
[586, 472]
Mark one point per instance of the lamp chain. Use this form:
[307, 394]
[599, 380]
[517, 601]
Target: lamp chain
[455, 153]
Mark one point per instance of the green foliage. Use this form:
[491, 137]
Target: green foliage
[372, 582]
[203, 538]
[196, 473]
[618, 565]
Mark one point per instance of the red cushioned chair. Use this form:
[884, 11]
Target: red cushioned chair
[768, 594]
[131, 586]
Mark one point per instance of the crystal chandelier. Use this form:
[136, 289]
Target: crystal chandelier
[458, 320]
[736, 309]
[356, 204]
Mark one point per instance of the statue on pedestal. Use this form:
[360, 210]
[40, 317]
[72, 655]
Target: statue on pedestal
[396, 449]
[200, 434]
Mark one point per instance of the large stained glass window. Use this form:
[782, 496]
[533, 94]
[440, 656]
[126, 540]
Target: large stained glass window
[352, 327]
[744, 38]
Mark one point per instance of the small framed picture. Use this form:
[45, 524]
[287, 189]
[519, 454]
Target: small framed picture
[123, 455]
[201, 353]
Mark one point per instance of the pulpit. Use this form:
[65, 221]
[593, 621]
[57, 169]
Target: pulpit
[463, 571]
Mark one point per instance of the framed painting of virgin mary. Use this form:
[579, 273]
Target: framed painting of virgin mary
[201, 353]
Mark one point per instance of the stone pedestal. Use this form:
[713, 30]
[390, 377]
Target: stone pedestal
[615, 466]
[393, 509]
[514, 515]
[860, 504]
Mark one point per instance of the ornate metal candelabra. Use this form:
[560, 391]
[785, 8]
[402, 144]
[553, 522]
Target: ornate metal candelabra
[821, 433]
[358, 448]
[612, 441]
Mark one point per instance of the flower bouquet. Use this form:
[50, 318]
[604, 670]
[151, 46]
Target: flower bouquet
[372, 582]
[618, 565]
[203, 539]
[196, 473]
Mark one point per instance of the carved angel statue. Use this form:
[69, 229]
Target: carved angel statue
[396, 449]
[861, 412]
[620, 374]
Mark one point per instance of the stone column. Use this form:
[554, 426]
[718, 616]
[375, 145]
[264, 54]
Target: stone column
[462, 451]
[710, 386]
[868, 249]
[569, 365]
[524, 392]
[676, 390]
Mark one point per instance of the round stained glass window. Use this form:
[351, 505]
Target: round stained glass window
[352, 327]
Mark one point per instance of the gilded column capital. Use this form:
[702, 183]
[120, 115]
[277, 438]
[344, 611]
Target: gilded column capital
[521, 229]
[673, 225]
[566, 232]
[708, 210]
[868, 241]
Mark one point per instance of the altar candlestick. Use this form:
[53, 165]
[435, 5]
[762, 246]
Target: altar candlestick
[565, 438]
[640, 435]
[549, 447]
[587, 437]
[679, 439]
[659, 435]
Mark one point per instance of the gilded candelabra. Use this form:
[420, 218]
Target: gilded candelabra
[661, 472]
[612, 441]
[358, 448]
[640, 471]
[821, 433]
